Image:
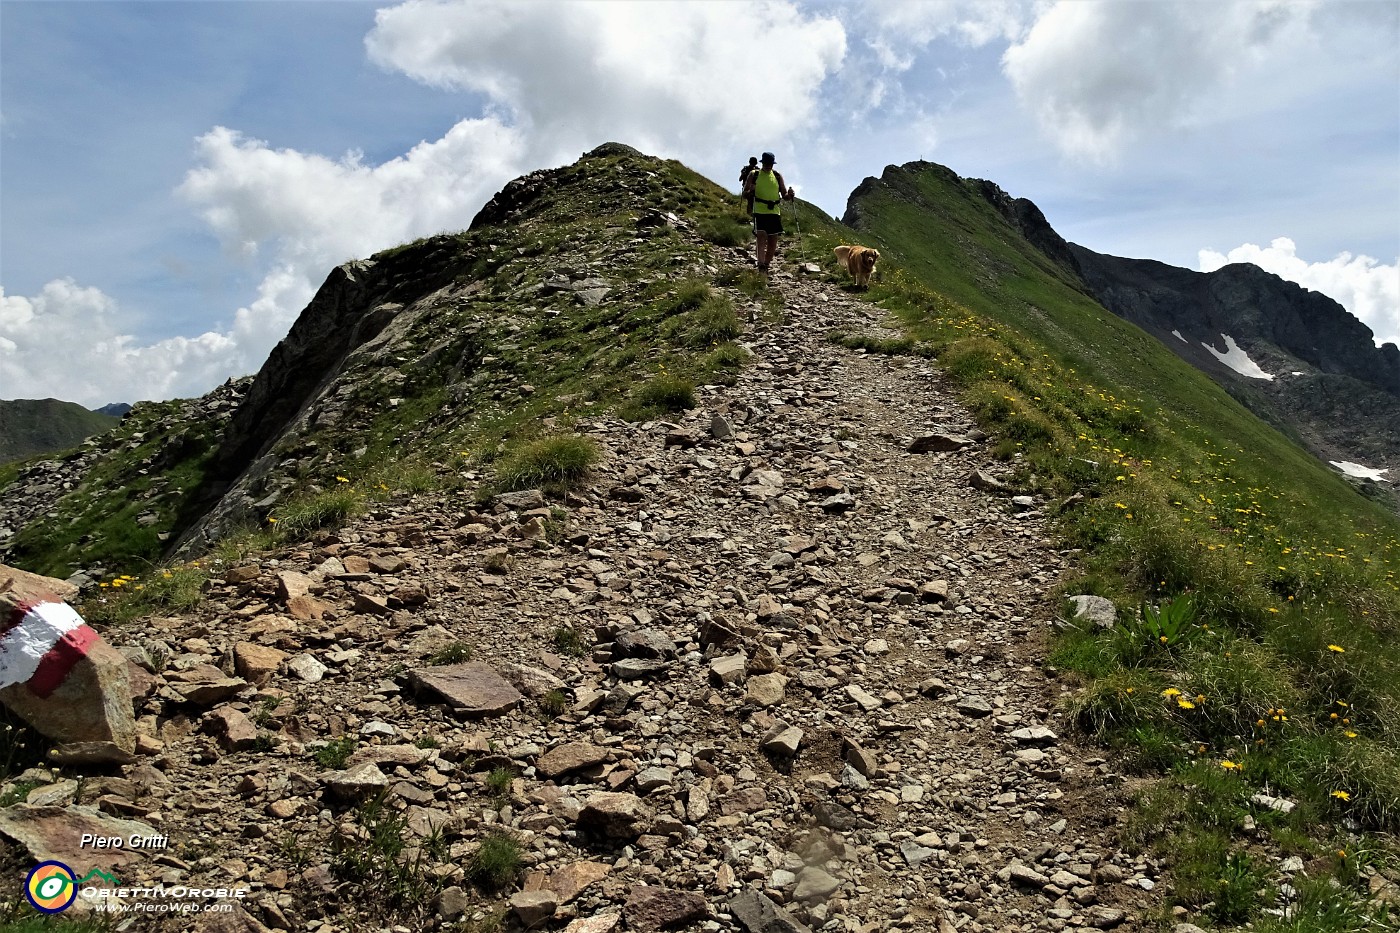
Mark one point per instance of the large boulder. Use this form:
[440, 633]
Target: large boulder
[57, 673]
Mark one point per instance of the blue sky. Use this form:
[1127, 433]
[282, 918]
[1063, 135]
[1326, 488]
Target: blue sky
[176, 178]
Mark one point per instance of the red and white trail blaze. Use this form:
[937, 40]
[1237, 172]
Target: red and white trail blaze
[40, 641]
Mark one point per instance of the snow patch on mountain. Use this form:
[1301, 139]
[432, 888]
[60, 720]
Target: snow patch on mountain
[1238, 360]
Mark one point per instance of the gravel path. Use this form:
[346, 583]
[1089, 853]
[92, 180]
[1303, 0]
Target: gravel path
[811, 691]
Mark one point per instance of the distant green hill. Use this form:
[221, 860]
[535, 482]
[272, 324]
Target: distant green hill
[43, 426]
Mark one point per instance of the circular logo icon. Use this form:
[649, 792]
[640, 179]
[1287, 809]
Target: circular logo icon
[51, 887]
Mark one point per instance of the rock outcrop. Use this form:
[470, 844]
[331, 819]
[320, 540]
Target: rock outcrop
[1245, 302]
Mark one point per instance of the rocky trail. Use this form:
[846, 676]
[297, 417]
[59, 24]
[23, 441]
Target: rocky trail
[810, 692]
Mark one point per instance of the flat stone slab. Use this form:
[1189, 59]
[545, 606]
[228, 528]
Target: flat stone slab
[644, 643]
[650, 909]
[534, 908]
[766, 689]
[599, 923]
[357, 783]
[784, 742]
[757, 914]
[1029, 877]
[638, 669]
[571, 880]
[939, 443]
[866, 701]
[815, 884]
[1035, 735]
[53, 834]
[974, 706]
[473, 688]
[728, 669]
[614, 816]
[572, 756]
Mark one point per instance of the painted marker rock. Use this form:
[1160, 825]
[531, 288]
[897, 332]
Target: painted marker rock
[56, 672]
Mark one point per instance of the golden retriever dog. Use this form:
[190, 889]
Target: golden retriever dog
[859, 262]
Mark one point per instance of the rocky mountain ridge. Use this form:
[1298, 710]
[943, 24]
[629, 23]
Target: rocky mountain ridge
[776, 664]
[1333, 390]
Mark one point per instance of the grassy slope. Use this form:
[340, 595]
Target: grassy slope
[42, 426]
[1179, 489]
[96, 523]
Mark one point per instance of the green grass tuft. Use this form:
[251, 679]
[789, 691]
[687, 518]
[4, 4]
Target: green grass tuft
[168, 590]
[455, 653]
[553, 704]
[496, 863]
[560, 461]
[661, 394]
[714, 321]
[335, 753]
[570, 640]
[726, 230]
[392, 868]
[300, 518]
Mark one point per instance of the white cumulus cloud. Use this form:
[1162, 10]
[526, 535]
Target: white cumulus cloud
[898, 32]
[67, 342]
[667, 77]
[1367, 288]
[314, 210]
[1099, 75]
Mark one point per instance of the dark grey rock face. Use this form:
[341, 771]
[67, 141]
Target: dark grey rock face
[1333, 389]
[1248, 304]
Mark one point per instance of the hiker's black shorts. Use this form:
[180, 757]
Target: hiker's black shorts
[768, 223]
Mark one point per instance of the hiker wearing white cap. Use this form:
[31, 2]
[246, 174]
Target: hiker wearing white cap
[768, 191]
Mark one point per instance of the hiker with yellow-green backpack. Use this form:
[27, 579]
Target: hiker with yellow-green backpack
[766, 190]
